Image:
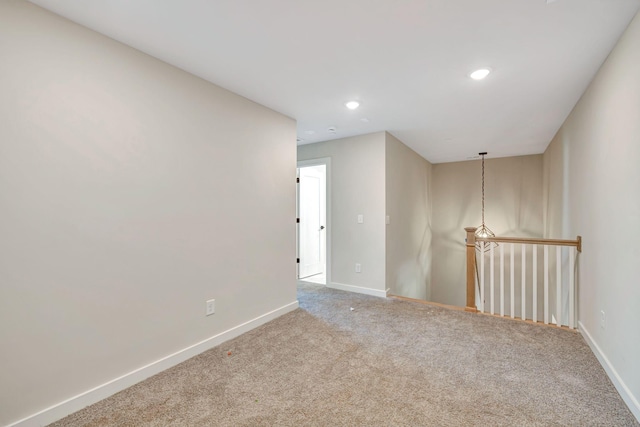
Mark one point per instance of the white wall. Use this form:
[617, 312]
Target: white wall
[130, 192]
[408, 237]
[592, 167]
[358, 187]
[513, 192]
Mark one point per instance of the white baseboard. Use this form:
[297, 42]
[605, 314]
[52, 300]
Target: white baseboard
[105, 390]
[625, 393]
[358, 289]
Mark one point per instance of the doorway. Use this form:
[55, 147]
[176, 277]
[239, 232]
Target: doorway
[313, 234]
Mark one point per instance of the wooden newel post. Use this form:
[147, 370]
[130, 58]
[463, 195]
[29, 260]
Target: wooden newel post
[471, 269]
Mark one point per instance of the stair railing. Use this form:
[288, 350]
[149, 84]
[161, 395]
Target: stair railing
[537, 290]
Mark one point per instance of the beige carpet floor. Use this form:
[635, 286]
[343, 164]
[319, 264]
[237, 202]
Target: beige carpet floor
[385, 363]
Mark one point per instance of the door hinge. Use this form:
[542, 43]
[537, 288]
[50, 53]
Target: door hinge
[297, 260]
[297, 180]
[297, 220]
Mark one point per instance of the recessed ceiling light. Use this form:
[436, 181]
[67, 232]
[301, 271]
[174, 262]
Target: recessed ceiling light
[352, 105]
[332, 129]
[480, 74]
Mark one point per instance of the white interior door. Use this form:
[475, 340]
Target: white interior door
[312, 217]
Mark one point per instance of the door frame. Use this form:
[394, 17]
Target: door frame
[313, 222]
[329, 229]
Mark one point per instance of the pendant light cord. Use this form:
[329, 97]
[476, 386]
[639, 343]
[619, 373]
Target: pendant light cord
[483, 231]
[482, 190]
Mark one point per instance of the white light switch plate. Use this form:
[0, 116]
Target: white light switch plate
[211, 307]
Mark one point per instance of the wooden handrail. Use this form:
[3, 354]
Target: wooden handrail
[532, 241]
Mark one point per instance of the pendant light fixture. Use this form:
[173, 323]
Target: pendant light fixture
[483, 230]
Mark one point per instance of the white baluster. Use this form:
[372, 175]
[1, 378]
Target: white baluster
[535, 283]
[513, 274]
[482, 277]
[501, 280]
[546, 284]
[572, 287]
[524, 282]
[491, 281]
[559, 285]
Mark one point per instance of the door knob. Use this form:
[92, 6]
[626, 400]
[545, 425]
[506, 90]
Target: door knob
[322, 227]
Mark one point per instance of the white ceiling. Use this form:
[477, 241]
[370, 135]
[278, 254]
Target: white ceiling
[406, 61]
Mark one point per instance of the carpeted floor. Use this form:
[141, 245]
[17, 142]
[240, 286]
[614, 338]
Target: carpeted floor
[385, 363]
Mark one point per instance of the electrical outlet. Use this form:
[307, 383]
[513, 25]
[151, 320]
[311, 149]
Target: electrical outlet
[360, 219]
[358, 268]
[211, 307]
[602, 318]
